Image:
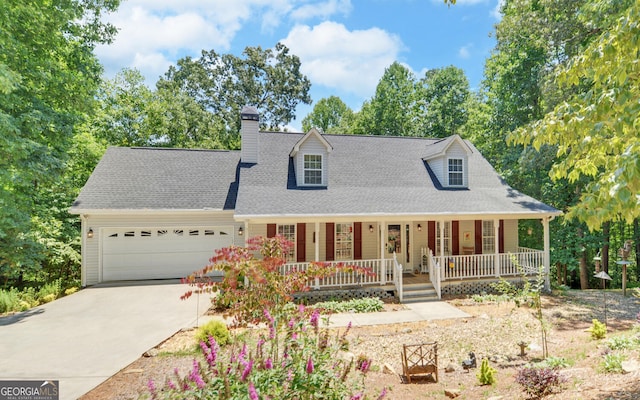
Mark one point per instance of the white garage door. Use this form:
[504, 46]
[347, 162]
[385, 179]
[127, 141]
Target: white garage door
[159, 253]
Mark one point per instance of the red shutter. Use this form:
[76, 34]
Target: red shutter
[301, 245]
[455, 238]
[431, 235]
[501, 237]
[478, 230]
[271, 230]
[357, 240]
[330, 233]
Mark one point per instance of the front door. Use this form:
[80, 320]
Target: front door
[398, 236]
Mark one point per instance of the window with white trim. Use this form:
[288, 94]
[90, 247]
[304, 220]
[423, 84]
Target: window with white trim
[289, 233]
[313, 169]
[488, 237]
[456, 172]
[344, 241]
[447, 238]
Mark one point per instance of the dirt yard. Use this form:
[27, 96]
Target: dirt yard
[493, 331]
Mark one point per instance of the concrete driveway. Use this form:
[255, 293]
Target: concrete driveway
[83, 339]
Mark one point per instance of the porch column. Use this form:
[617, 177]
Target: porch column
[496, 236]
[316, 256]
[383, 248]
[442, 255]
[547, 257]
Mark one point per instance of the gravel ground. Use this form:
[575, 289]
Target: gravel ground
[492, 332]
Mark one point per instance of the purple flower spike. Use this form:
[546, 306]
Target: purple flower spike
[247, 371]
[268, 364]
[152, 387]
[310, 365]
[315, 318]
[383, 394]
[253, 395]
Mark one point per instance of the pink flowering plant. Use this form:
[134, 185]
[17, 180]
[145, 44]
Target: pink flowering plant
[298, 360]
[288, 354]
[255, 278]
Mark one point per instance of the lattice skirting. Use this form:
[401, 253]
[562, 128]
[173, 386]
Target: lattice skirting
[475, 286]
[316, 296]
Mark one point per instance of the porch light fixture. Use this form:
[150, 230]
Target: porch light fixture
[90, 233]
[240, 231]
[371, 228]
[419, 228]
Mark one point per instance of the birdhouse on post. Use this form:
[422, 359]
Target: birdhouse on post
[624, 252]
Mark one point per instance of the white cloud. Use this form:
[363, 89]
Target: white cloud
[322, 10]
[465, 51]
[151, 29]
[352, 61]
[496, 11]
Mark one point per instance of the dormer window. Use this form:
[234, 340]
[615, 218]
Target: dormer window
[456, 172]
[313, 169]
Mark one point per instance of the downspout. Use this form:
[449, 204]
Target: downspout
[547, 256]
[83, 249]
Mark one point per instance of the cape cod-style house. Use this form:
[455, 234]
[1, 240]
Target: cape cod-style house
[405, 207]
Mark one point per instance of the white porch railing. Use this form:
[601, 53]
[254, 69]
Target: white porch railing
[484, 265]
[434, 273]
[383, 272]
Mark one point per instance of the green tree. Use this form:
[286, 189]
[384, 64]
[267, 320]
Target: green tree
[596, 130]
[329, 115]
[393, 108]
[443, 95]
[48, 78]
[268, 79]
[131, 114]
[122, 118]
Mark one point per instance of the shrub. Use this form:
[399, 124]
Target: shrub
[364, 305]
[216, 329]
[294, 360]
[555, 362]
[612, 363]
[538, 382]
[623, 343]
[70, 290]
[50, 291]
[9, 300]
[598, 330]
[487, 374]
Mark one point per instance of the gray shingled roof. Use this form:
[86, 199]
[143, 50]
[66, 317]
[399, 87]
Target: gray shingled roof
[372, 175]
[161, 179]
[368, 175]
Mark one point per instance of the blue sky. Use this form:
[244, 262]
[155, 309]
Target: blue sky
[344, 45]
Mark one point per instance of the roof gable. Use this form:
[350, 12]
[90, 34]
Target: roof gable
[439, 148]
[313, 132]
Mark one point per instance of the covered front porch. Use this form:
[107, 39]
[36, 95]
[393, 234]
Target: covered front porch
[438, 271]
[404, 254]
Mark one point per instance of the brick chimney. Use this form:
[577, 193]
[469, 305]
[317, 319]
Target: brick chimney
[249, 126]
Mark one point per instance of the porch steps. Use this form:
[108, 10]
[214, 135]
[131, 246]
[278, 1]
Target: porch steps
[418, 292]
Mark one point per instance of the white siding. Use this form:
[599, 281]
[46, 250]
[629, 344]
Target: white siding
[510, 235]
[91, 262]
[250, 141]
[311, 146]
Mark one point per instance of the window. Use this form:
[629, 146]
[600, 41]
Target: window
[447, 238]
[289, 233]
[312, 169]
[455, 172]
[488, 237]
[344, 242]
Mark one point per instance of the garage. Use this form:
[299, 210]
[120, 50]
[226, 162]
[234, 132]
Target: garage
[159, 253]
